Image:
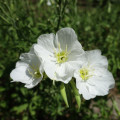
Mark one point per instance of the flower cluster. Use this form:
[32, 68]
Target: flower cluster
[62, 58]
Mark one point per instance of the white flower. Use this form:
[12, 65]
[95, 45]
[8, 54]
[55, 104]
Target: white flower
[60, 54]
[49, 3]
[28, 70]
[92, 78]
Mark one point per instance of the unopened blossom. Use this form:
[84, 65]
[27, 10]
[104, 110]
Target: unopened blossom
[60, 54]
[28, 70]
[93, 78]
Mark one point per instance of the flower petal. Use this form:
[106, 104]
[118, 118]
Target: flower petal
[84, 90]
[42, 53]
[65, 37]
[76, 60]
[20, 74]
[41, 68]
[50, 68]
[95, 57]
[45, 47]
[34, 83]
[46, 41]
[64, 73]
[103, 81]
[20, 63]
[29, 57]
[64, 79]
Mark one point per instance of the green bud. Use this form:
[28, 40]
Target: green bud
[76, 93]
[63, 93]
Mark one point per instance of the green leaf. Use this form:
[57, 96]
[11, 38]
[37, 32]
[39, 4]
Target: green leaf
[20, 108]
[76, 93]
[63, 93]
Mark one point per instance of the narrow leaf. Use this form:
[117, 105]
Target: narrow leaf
[63, 93]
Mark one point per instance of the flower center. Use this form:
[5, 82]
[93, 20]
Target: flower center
[37, 74]
[34, 72]
[85, 74]
[61, 56]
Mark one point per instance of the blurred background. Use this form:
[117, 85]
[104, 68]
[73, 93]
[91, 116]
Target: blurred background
[97, 25]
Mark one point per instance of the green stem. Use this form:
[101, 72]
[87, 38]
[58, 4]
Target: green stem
[60, 12]
[4, 19]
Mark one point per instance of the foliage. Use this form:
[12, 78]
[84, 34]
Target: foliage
[22, 21]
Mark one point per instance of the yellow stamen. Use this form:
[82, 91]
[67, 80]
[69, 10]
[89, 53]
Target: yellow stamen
[84, 74]
[61, 56]
[36, 73]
